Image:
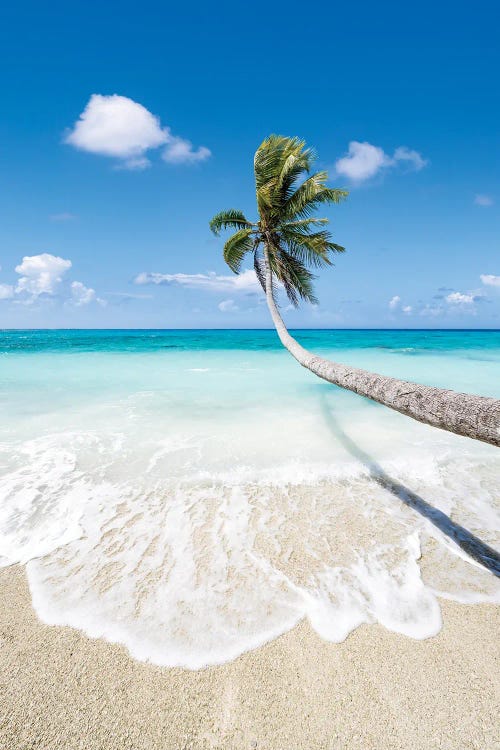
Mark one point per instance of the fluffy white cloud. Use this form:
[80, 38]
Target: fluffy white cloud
[457, 298]
[180, 151]
[81, 294]
[243, 282]
[41, 274]
[394, 302]
[42, 277]
[228, 305]
[117, 126]
[6, 291]
[364, 160]
[483, 200]
[407, 309]
[490, 280]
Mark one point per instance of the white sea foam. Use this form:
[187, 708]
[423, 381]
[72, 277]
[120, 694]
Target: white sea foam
[188, 566]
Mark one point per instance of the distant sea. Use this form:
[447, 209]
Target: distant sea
[194, 494]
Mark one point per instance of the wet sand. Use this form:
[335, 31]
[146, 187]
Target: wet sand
[377, 690]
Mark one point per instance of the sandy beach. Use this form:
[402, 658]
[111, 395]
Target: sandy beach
[60, 689]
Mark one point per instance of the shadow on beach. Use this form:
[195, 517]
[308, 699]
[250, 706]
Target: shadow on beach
[470, 544]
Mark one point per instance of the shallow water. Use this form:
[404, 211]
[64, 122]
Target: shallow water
[193, 494]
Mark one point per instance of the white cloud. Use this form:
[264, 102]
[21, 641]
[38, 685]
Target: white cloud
[457, 298]
[394, 302]
[364, 160]
[180, 151]
[6, 291]
[41, 274]
[228, 305]
[483, 200]
[81, 294]
[490, 280]
[243, 282]
[116, 126]
[407, 310]
[402, 153]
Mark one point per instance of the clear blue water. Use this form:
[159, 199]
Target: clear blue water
[412, 341]
[193, 494]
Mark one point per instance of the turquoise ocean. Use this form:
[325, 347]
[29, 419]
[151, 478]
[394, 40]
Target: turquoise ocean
[194, 494]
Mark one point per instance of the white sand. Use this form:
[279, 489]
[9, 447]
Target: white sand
[59, 689]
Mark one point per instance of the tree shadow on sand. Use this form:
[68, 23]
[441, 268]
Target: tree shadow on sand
[470, 544]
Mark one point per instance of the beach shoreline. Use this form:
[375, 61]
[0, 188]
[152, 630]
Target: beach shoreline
[377, 689]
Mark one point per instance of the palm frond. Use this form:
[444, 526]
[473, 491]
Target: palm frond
[230, 219]
[309, 252]
[321, 240]
[236, 247]
[278, 164]
[303, 223]
[312, 193]
[293, 274]
[270, 156]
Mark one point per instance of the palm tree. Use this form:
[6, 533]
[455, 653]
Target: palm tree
[285, 242]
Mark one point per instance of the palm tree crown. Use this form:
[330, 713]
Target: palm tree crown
[287, 236]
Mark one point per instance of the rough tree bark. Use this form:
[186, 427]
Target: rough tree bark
[476, 417]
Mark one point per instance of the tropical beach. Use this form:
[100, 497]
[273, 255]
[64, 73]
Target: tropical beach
[151, 512]
[249, 378]
[148, 515]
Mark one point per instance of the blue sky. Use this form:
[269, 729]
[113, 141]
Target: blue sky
[400, 101]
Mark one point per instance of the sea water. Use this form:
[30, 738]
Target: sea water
[194, 494]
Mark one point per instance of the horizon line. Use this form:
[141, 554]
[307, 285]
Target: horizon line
[462, 330]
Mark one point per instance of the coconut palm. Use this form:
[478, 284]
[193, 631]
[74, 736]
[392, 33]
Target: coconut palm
[286, 242]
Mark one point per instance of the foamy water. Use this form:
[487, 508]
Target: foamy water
[193, 495]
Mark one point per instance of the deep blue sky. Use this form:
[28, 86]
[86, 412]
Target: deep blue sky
[422, 230]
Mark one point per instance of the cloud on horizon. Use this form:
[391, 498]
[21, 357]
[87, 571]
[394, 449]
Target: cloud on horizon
[457, 298]
[118, 127]
[41, 274]
[83, 295]
[42, 277]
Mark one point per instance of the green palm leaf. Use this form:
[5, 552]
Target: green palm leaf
[236, 248]
[296, 278]
[229, 219]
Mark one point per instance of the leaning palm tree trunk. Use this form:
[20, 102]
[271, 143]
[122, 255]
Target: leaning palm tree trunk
[473, 416]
